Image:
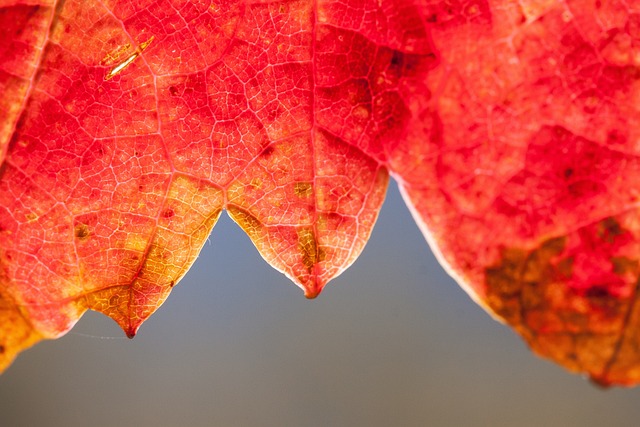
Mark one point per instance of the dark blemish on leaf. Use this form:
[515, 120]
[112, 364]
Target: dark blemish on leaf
[2, 349]
[267, 151]
[396, 58]
[433, 18]
[168, 213]
[517, 269]
[609, 229]
[303, 189]
[403, 65]
[308, 246]
[394, 71]
[172, 283]
[623, 265]
[82, 231]
[553, 246]
[114, 301]
[597, 291]
[173, 90]
[568, 173]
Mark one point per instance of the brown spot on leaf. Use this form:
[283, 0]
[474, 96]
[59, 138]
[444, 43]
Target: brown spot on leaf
[609, 229]
[513, 278]
[308, 247]
[623, 265]
[303, 189]
[82, 231]
[403, 65]
[564, 315]
[519, 268]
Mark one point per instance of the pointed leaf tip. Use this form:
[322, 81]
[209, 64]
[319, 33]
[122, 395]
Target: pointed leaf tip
[131, 326]
[600, 383]
[312, 292]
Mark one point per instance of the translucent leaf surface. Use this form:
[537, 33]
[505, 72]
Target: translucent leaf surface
[512, 128]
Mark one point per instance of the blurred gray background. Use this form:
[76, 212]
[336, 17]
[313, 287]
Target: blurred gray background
[392, 342]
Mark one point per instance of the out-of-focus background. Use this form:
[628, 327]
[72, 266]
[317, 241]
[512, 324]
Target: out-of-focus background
[392, 342]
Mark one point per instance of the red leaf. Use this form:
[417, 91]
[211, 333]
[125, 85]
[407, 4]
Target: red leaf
[528, 182]
[509, 126]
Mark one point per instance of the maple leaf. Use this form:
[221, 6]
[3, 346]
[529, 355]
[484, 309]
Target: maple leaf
[510, 127]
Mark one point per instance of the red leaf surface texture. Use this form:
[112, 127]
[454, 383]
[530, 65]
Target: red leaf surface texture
[512, 129]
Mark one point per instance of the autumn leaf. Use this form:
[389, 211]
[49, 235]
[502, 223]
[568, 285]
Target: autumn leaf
[530, 172]
[511, 128]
